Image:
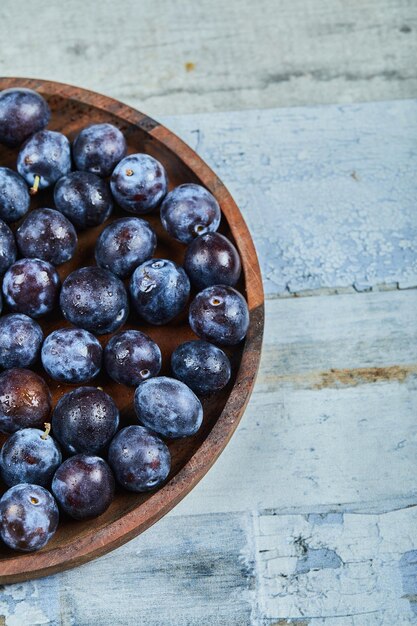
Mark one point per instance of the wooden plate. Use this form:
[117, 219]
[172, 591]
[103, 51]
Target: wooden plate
[130, 514]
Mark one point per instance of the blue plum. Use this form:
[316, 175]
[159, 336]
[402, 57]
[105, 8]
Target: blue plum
[160, 289]
[94, 299]
[85, 420]
[20, 340]
[212, 259]
[31, 286]
[131, 357]
[219, 314]
[98, 149]
[84, 198]
[168, 407]
[200, 365]
[29, 456]
[23, 112]
[14, 195]
[139, 183]
[139, 459]
[71, 355]
[44, 158]
[8, 250]
[83, 486]
[46, 234]
[189, 211]
[28, 517]
[124, 244]
[25, 400]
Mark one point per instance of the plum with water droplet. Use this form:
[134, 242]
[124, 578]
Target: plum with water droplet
[94, 299]
[83, 198]
[83, 486]
[31, 286]
[25, 400]
[220, 315]
[140, 460]
[159, 289]
[98, 149]
[85, 420]
[28, 517]
[139, 183]
[188, 211]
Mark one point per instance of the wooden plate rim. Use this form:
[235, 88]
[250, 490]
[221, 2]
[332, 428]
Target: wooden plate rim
[99, 541]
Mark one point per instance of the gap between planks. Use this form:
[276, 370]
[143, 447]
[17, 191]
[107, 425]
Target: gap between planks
[238, 569]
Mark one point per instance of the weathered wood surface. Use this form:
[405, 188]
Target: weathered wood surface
[332, 421]
[329, 193]
[239, 569]
[309, 516]
[182, 57]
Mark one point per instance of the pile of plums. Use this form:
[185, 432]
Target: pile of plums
[68, 458]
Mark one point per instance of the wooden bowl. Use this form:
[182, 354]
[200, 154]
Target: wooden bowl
[130, 514]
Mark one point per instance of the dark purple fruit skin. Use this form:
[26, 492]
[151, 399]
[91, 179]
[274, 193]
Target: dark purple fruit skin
[20, 340]
[200, 365]
[124, 244]
[31, 286]
[139, 183]
[212, 259]
[85, 420]
[14, 195]
[25, 400]
[139, 459]
[189, 211]
[48, 235]
[168, 407]
[84, 198]
[98, 149]
[46, 154]
[28, 517]
[94, 299]
[131, 357]
[83, 486]
[219, 314]
[159, 289]
[71, 355]
[23, 112]
[27, 457]
[8, 250]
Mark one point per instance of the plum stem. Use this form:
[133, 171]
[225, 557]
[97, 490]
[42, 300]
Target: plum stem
[34, 189]
[47, 430]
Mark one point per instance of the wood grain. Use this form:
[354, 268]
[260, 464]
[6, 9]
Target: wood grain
[129, 514]
[328, 363]
[331, 425]
[239, 569]
[337, 569]
[330, 206]
[179, 57]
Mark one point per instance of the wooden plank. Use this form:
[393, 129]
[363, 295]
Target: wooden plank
[239, 569]
[176, 57]
[363, 432]
[328, 205]
[332, 422]
[338, 376]
[183, 572]
[338, 570]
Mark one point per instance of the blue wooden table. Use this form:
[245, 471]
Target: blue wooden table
[309, 516]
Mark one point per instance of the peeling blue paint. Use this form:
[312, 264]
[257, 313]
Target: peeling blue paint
[318, 519]
[316, 559]
[408, 568]
[338, 206]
